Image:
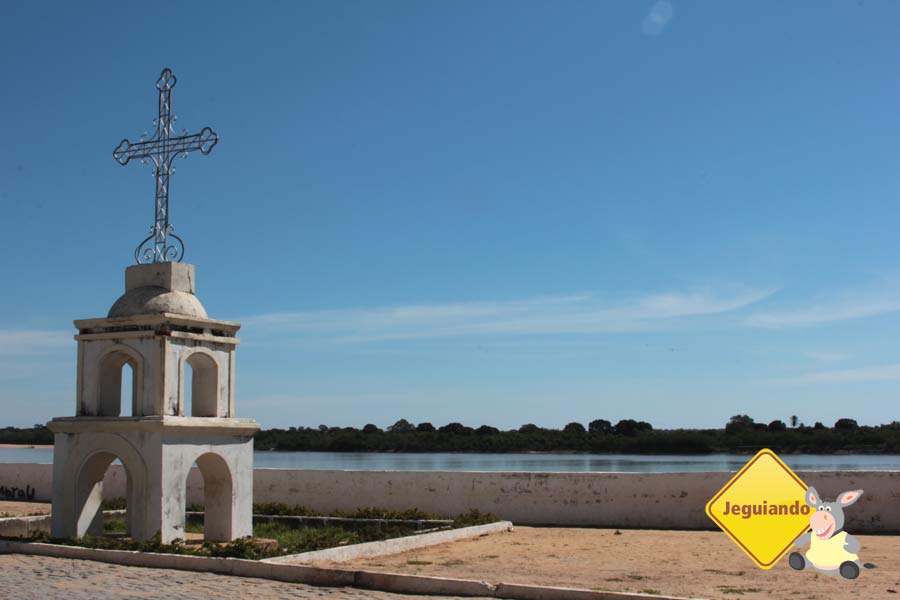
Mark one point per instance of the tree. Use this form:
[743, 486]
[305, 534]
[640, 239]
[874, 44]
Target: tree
[401, 426]
[846, 424]
[487, 430]
[818, 425]
[600, 426]
[574, 427]
[529, 428]
[776, 425]
[426, 426]
[631, 427]
[739, 423]
[794, 421]
[457, 428]
[370, 428]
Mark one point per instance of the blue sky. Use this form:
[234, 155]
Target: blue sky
[488, 212]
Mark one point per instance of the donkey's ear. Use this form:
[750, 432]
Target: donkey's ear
[848, 498]
[812, 497]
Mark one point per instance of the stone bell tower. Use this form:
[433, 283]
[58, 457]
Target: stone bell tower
[161, 331]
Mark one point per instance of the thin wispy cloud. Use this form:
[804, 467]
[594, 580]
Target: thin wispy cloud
[857, 375]
[658, 18]
[535, 316]
[828, 357]
[842, 306]
[18, 342]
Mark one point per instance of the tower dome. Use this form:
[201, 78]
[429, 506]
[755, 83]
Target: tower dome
[159, 288]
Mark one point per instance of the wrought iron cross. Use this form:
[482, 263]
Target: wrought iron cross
[163, 148]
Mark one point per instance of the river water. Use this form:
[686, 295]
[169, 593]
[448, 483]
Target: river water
[619, 463]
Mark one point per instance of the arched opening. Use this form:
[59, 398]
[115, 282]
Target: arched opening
[113, 386]
[217, 497]
[96, 473]
[201, 382]
[128, 390]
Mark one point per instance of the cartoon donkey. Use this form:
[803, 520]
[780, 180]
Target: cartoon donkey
[831, 549]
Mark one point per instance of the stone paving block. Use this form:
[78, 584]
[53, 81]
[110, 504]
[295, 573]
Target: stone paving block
[43, 578]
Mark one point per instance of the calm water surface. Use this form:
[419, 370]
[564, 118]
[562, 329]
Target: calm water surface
[366, 461]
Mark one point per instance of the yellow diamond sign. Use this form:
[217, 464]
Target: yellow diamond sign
[762, 508]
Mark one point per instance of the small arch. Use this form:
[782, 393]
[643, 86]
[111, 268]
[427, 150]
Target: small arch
[110, 366]
[127, 391]
[89, 493]
[218, 497]
[204, 387]
[85, 489]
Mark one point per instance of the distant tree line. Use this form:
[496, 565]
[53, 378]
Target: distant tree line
[740, 435]
[37, 435]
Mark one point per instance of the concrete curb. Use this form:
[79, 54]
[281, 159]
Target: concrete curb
[394, 546]
[222, 566]
[24, 526]
[291, 573]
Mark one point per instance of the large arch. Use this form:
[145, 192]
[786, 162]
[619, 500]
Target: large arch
[83, 492]
[204, 385]
[218, 497]
[109, 378]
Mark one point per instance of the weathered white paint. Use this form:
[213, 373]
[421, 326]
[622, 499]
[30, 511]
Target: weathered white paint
[636, 500]
[160, 329]
[21, 476]
[156, 455]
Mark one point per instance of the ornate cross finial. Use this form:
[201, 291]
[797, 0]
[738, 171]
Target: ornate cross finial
[163, 149]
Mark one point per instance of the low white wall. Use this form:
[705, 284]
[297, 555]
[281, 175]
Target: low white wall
[630, 500]
[26, 482]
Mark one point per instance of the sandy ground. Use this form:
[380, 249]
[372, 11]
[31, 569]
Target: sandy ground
[19, 509]
[25, 446]
[693, 564]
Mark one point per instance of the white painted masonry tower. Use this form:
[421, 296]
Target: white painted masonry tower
[160, 330]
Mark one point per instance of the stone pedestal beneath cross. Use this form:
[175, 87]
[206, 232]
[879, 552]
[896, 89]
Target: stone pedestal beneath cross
[161, 331]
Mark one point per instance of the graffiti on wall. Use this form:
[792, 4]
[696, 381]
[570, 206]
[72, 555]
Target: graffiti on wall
[17, 493]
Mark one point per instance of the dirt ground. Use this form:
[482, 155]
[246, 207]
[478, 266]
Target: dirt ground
[692, 564]
[21, 509]
[26, 446]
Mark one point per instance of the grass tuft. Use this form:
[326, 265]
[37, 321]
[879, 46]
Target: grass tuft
[288, 539]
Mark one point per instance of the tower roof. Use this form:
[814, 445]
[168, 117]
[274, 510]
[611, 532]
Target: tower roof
[156, 288]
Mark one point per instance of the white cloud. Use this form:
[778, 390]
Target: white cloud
[857, 375]
[827, 357]
[818, 314]
[882, 297]
[658, 18]
[534, 316]
[18, 342]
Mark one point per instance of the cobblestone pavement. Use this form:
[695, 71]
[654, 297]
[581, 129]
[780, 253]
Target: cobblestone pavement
[43, 578]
